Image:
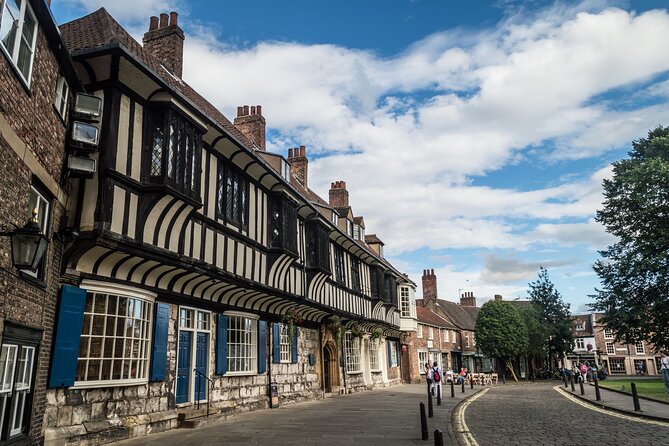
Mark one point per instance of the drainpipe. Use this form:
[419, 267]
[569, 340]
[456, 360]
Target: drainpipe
[343, 356]
[320, 343]
[270, 359]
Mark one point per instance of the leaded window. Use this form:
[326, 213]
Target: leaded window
[352, 347]
[285, 345]
[375, 274]
[405, 302]
[610, 348]
[355, 274]
[231, 195]
[174, 151]
[115, 338]
[318, 245]
[283, 224]
[340, 275]
[18, 34]
[374, 363]
[242, 345]
[389, 289]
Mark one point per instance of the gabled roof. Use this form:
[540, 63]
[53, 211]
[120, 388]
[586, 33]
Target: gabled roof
[99, 29]
[457, 314]
[359, 221]
[429, 317]
[372, 238]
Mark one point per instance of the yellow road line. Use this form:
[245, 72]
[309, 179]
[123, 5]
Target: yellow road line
[608, 412]
[463, 429]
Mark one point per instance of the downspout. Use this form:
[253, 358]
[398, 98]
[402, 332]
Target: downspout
[343, 359]
[322, 362]
[270, 360]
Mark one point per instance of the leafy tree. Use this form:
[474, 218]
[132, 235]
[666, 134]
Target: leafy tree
[634, 271]
[501, 332]
[537, 334]
[553, 314]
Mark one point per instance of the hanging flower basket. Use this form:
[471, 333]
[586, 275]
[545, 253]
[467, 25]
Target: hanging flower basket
[290, 319]
[335, 328]
[357, 332]
[375, 335]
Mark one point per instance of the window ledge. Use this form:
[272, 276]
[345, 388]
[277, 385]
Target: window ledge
[118, 383]
[240, 374]
[32, 280]
[357, 372]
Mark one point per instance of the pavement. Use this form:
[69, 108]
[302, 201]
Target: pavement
[388, 416]
[546, 414]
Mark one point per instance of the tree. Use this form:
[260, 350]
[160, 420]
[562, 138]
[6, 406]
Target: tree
[634, 271]
[501, 332]
[553, 314]
[537, 334]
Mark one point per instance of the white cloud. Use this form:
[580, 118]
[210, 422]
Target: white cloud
[131, 10]
[501, 270]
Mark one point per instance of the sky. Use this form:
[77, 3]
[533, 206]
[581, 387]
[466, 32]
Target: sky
[473, 135]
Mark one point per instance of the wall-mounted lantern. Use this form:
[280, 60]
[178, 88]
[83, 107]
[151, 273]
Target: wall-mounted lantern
[28, 244]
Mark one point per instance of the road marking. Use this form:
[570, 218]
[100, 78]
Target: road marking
[608, 412]
[460, 417]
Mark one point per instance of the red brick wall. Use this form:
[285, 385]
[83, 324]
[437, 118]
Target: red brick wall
[429, 285]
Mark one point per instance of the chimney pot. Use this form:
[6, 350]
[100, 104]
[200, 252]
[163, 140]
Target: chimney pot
[173, 18]
[290, 153]
[246, 110]
[303, 151]
[240, 110]
[253, 110]
[153, 23]
[163, 20]
[259, 109]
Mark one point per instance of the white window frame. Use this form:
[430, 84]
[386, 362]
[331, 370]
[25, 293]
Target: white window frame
[423, 359]
[6, 386]
[285, 170]
[62, 99]
[251, 345]
[149, 298]
[405, 302]
[639, 348]
[610, 348]
[580, 327]
[430, 333]
[285, 345]
[419, 331]
[608, 333]
[335, 218]
[466, 341]
[21, 390]
[352, 349]
[579, 344]
[13, 53]
[374, 360]
[445, 336]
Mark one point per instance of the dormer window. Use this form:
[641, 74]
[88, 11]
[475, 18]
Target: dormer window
[174, 147]
[356, 232]
[335, 218]
[580, 327]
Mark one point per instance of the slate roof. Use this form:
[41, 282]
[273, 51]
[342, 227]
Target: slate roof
[460, 317]
[99, 29]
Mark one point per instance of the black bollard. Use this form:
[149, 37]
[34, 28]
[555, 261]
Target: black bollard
[452, 388]
[463, 386]
[438, 438]
[439, 394]
[571, 381]
[504, 377]
[580, 383]
[635, 398]
[428, 386]
[423, 423]
[471, 382]
[430, 411]
[597, 395]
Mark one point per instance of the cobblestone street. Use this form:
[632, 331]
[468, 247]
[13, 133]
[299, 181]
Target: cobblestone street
[537, 414]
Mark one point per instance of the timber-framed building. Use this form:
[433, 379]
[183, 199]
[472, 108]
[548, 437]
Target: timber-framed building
[205, 269]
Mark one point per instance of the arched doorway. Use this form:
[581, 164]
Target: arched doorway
[330, 368]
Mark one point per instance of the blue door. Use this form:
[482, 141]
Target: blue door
[201, 354]
[183, 367]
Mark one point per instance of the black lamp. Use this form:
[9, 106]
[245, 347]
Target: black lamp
[28, 244]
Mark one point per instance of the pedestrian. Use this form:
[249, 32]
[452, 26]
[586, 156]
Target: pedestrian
[584, 371]
[429, 375]
[437, 375]
[664, 369]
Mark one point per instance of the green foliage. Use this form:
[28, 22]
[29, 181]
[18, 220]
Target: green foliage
[634, 271]
[553, 314]
[537, 333]
[500, 330]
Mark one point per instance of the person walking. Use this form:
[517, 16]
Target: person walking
[664, 369]
[437, 375]
[429, 375]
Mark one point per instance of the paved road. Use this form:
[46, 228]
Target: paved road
[537, 414]
[385, 417]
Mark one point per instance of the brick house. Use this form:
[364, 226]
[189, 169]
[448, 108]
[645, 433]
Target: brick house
[595, 343]
[37, 80]
[206, 269]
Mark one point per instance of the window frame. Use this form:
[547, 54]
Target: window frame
[612, 350]
[224, 171]
[282, 224]
[39, 275]
[405, 301]
[419, 331]
[579, 344]
[146, 316]
[374, 346]
[14, 54]
[639, 351]
[285, 345]
[580, 327]
[352, 354]
[317, 237]
[340, 265]
[423, 358]
[355, 274]
[253, 336]
[608, 333]
[393, 353]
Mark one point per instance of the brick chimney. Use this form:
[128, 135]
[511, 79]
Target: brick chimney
[498, 297]
[251, 123]
[429, 285]
[298, 164]
[467, 299]
[338, 195]
[165, 42]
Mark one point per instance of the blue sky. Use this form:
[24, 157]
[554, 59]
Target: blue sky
[473, 135]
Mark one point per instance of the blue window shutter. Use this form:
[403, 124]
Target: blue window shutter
[262, 346]
[221, 344]
[276, 343]
[397, 353]
[159, 353]
[67, 336]
[390, 354]
[293, 347]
